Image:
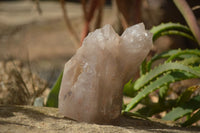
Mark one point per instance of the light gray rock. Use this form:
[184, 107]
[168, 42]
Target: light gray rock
[93, 79]
[30, 119]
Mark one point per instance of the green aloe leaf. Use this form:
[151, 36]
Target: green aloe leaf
[192, 120]
[155, 108]
[185, 96]
[171, 66]
[143, 67]
[184, 109]
[128, 89]
[171, 28]
[52, 100]
[174, 54]
[166, 79]
[184, 52]
[191, 61]
[176, 32]
[162, 93]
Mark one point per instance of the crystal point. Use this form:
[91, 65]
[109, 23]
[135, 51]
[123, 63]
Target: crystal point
[93, 79]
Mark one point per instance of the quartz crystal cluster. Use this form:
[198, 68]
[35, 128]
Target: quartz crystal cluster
[93, 79]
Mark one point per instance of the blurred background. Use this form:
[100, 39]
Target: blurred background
[45, 34]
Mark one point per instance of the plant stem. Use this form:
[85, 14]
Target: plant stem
[187, 13]
[68, 24]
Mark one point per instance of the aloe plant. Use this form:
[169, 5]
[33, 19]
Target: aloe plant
[179, 65]
[171, 29]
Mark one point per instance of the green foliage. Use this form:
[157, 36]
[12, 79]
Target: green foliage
[172, 54]
[193, 119]
[155, 84]
[178, 65]
[171, 29]
[161, 69]
[52, 100]
[184, 109]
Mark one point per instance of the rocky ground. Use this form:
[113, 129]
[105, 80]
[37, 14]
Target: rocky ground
[29, 119]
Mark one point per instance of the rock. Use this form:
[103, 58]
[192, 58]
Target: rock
[39, 101]
[93, 79]
[30, 119]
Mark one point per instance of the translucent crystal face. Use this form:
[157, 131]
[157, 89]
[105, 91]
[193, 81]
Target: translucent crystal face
[93, 79]
[137, 37]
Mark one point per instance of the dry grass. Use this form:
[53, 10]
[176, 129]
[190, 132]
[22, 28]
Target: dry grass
[18, 85]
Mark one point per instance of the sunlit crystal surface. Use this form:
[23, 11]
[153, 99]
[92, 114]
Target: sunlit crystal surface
[93, 79]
